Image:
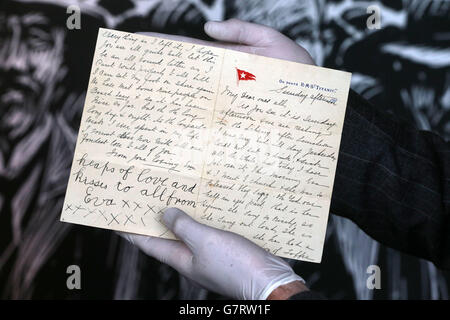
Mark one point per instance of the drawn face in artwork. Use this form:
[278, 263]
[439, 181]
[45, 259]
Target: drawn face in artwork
[31, 56]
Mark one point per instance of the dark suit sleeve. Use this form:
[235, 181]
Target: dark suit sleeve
[393, 181]
[307, 295]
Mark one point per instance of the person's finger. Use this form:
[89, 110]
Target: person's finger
[172, 252]
[184, 39]
[237, 31]
[185, 228]
[217, 44]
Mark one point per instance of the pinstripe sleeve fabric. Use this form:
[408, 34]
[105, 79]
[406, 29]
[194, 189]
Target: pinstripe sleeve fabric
[393, 181]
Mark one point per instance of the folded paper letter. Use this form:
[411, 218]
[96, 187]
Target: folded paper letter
[174, 124]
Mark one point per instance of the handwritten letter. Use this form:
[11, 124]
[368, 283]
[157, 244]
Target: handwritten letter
[240, 142]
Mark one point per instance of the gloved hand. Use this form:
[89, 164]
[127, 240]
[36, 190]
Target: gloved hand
[247, 37]
[217, 260]
[256, 39]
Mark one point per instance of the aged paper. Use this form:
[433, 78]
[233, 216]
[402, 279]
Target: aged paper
[240, 142]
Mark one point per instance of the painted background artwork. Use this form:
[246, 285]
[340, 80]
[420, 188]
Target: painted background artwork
[403, 67]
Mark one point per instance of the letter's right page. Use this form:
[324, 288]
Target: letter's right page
[272, 153]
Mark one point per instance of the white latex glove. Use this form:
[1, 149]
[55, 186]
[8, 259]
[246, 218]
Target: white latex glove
[256, 39]
[247, 37]
[220, 261]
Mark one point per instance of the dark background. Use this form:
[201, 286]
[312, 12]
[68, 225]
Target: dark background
[403, 67]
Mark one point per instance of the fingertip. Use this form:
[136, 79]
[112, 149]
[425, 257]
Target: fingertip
[210, 27]
[236, 31]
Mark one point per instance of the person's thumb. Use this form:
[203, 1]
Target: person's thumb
[184, 227]
[237, 31]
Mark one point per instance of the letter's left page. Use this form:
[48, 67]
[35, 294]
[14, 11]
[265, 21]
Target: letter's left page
[143, 132]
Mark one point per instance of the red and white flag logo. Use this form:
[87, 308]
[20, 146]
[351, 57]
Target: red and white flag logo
[244, 75]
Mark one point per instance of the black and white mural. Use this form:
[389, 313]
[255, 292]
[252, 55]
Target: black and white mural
[402, 67]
